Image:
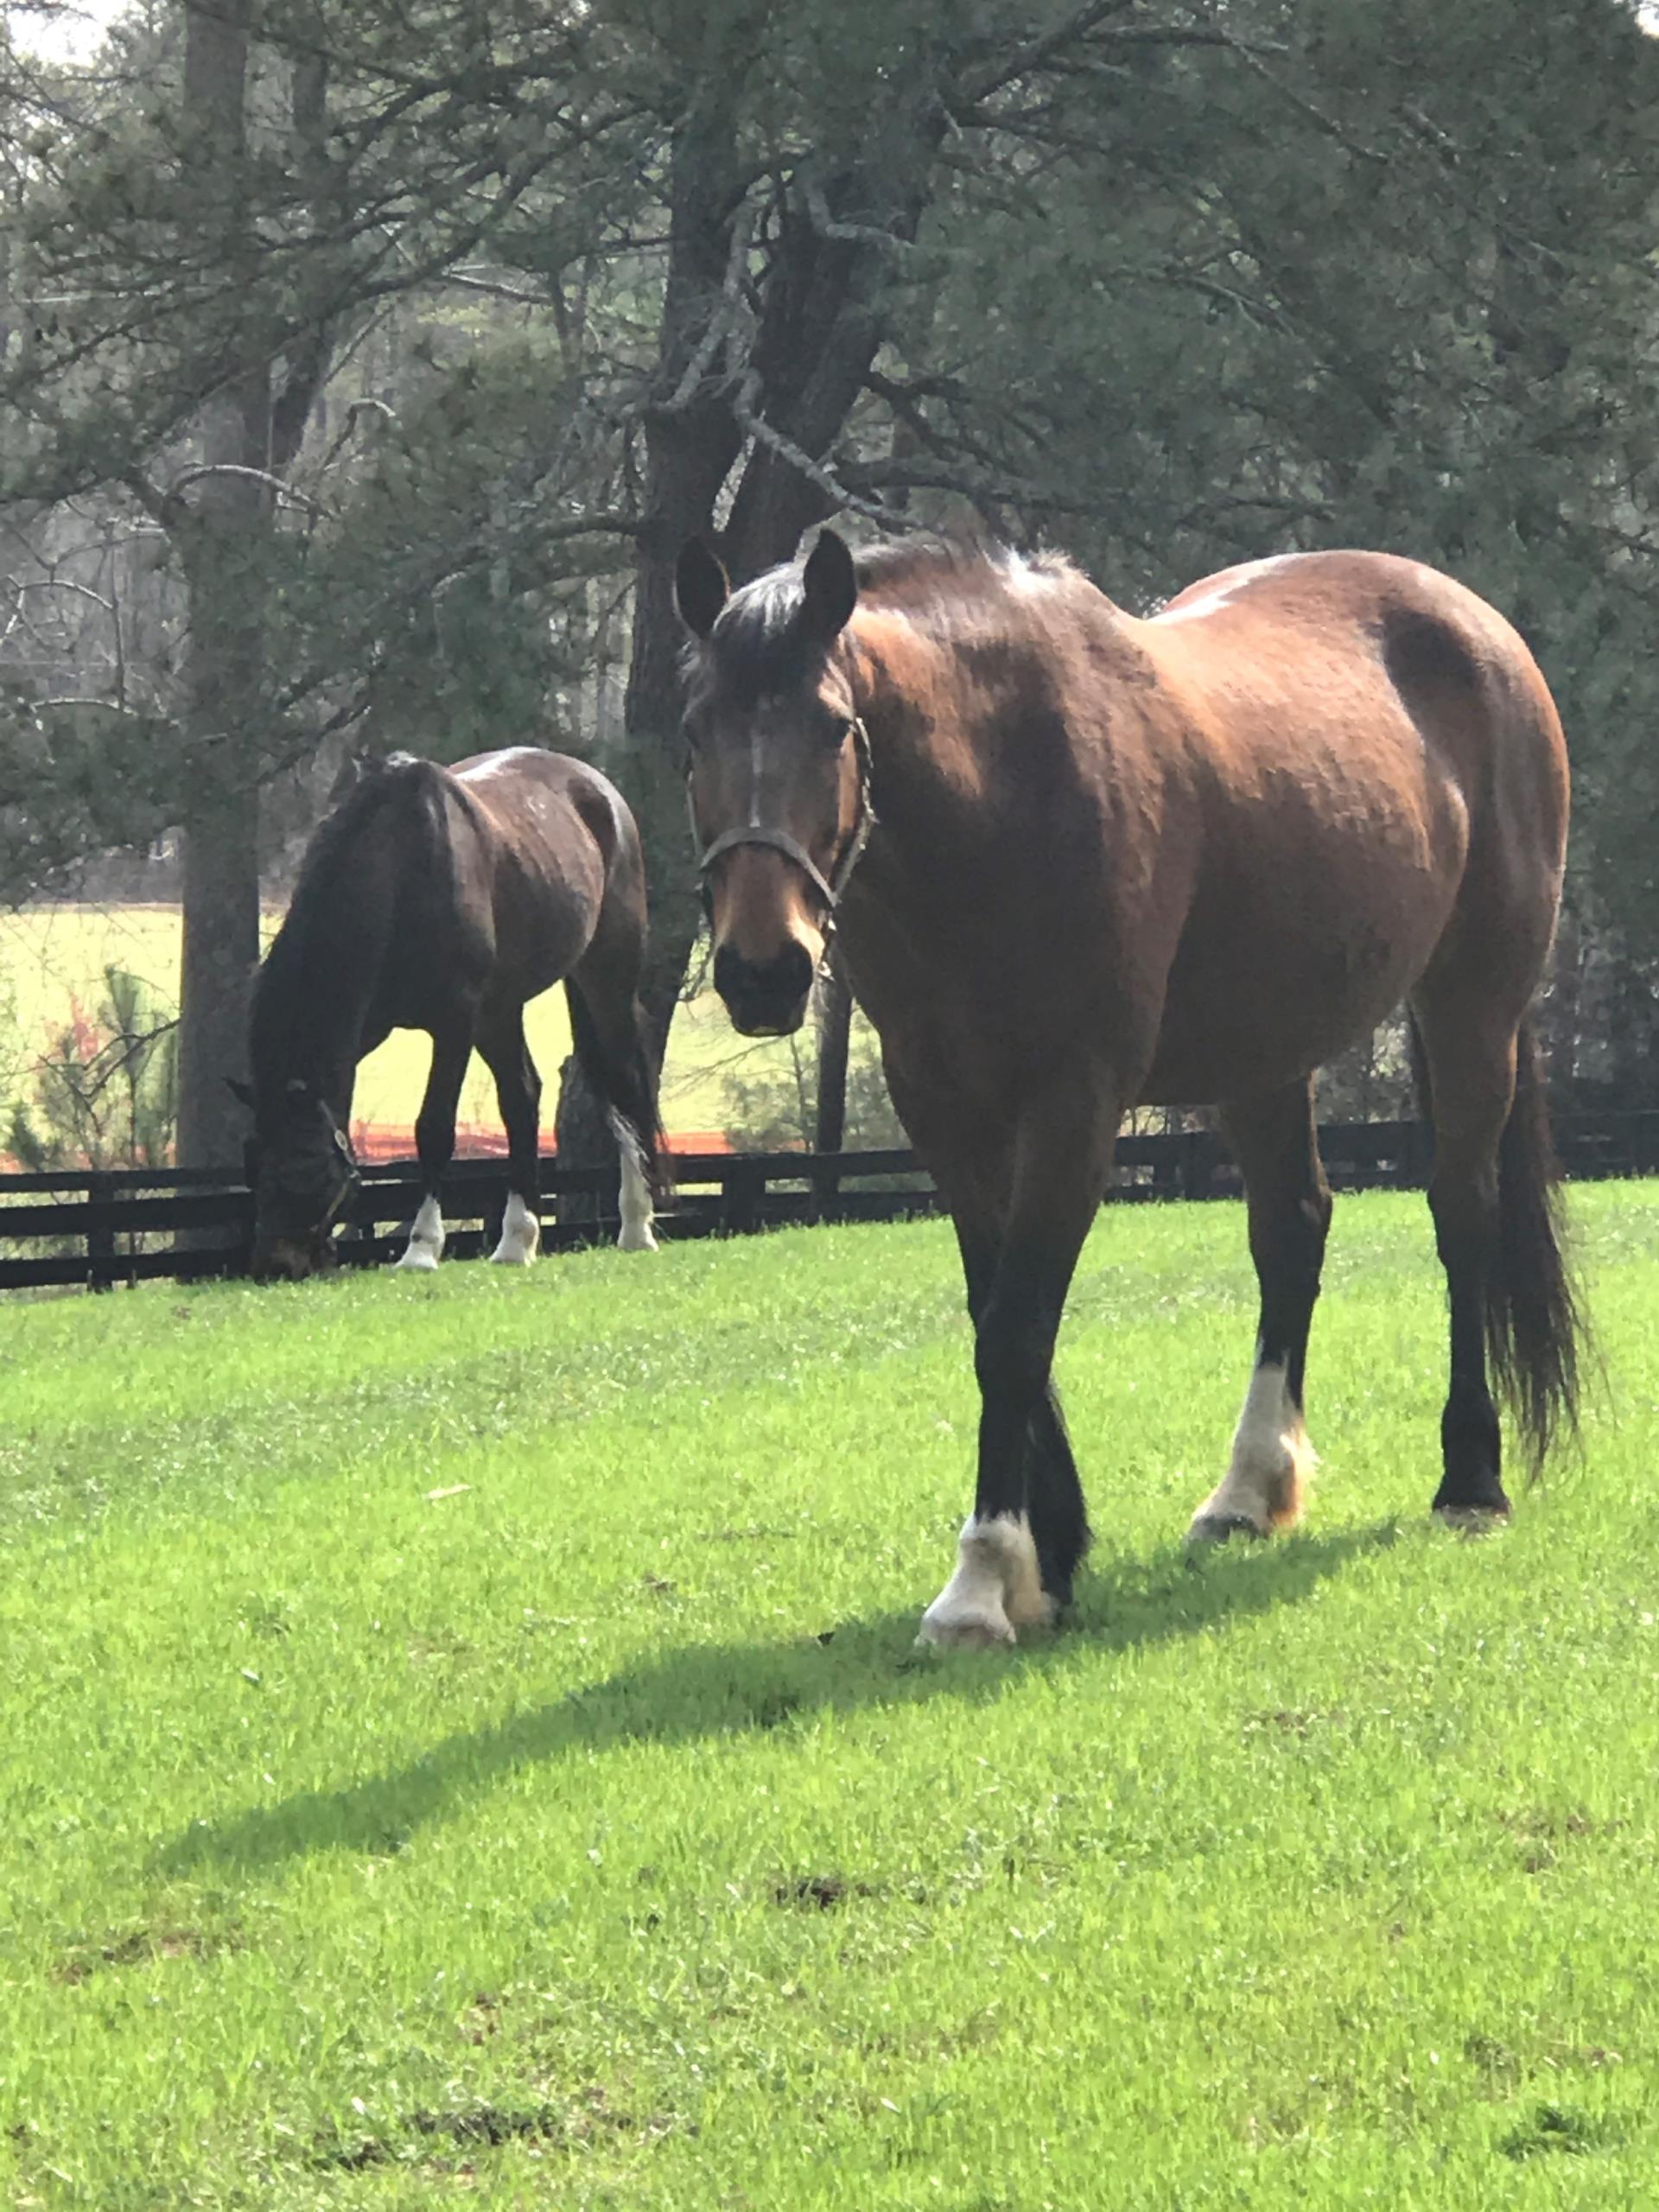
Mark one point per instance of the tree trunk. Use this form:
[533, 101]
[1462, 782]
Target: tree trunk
[834, 1041]
[822, 303]
[220, 840]
[690, 450]
[220, 537]
[251, 431]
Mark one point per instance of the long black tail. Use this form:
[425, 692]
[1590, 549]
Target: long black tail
[625, 1082]
[1535, 1332]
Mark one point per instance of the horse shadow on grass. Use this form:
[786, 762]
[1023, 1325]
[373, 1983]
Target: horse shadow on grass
[736, 1689]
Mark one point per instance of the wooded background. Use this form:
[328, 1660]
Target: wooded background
[363, 366]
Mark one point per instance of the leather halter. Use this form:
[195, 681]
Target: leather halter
[829, 887]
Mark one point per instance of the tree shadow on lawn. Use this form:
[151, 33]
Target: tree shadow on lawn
[731, 1689]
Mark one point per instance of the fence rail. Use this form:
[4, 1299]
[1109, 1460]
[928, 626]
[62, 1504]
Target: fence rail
[98, 1229]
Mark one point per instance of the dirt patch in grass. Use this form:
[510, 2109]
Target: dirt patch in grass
[1559, 2131]
[821, 1892]
[139, 1947]
[467, 2129]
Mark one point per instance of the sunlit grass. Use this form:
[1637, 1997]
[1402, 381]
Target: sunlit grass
[463, 1735]
[53, 958]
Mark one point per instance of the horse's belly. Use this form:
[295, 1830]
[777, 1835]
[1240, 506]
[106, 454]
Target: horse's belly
[1251, 1008]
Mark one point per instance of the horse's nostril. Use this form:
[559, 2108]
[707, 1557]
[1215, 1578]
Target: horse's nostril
[779, 981]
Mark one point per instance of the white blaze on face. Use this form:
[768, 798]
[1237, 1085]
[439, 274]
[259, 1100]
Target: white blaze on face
[997, 1590]
[425, 1239]
[634, 1201]
[521, 1232]
[1271, 1463]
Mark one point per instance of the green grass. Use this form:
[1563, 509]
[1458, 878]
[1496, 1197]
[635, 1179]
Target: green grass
[591, 1835]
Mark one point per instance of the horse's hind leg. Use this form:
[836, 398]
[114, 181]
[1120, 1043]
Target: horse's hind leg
[519, 1093]
[434, 1140]
[1289, 1205]
[1467, 1068]
[608, 1030]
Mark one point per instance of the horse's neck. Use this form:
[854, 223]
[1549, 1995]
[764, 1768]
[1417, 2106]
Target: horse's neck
[922, 763]
[322, 976]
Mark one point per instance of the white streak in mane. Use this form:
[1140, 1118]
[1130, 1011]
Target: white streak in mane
[1027, 578]
[495, 763]
[1225, 588]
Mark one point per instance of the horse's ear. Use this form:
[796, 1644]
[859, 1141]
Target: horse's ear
[242, 1092]
[346, 779]
[701, 587]
[830, 583]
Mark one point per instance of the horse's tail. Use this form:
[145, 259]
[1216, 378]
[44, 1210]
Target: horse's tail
[619, 1071]
[1535, 1329]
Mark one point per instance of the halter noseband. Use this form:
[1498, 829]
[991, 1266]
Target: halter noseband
[829, 887]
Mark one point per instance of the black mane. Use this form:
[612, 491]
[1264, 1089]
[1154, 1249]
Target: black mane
[759, 645]
[289, 1002]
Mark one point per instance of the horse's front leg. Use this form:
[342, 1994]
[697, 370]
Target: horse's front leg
[435, 1141]
[1010, 1575]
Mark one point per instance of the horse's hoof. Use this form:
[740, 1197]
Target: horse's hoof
[997, 1590]
[513, 1255]
[1473, 1520]
[521, 1232]
[950, 1630]
[417, 1260]
[636, 1241]
[1218, 1528]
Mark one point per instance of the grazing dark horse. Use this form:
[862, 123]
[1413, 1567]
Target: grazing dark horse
[442, 900]
[1080, 860]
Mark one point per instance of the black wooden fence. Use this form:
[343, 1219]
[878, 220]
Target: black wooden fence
[97, 1229]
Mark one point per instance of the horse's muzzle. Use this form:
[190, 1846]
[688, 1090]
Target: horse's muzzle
[764, 998]
[288, 1259]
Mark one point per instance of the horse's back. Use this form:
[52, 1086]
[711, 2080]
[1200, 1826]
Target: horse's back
[559, 848]
[1328, 629]
[1380, 770]
[1380, 676]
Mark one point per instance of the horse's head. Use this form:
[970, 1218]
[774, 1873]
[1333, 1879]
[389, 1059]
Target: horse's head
[778, 772]
[301, 1170]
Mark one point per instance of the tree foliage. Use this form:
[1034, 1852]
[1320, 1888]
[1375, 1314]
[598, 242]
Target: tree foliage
[528, 293]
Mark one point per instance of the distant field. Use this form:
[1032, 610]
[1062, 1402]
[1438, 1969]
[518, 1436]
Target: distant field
[463, 1746]
[50, 955]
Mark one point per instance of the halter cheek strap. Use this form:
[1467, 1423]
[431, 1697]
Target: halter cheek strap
[829, 887]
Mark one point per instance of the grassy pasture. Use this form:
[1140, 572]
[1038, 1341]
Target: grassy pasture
[50, 957]
[463, 1743]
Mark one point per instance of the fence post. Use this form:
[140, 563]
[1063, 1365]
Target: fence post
[744, 1185]
[1420, 1155]
[100, 1237]
[1200, 1155]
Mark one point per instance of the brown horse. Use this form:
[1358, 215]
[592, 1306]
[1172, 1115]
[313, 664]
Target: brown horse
[442, 900]
[1184, 859]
